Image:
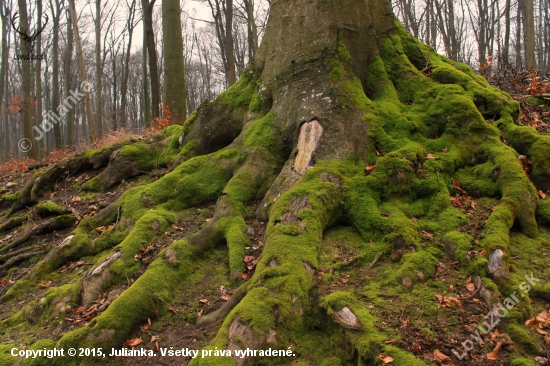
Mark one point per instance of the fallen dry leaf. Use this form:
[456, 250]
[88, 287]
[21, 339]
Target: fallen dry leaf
[370, 168]
[483, 252]
[45, 285]
[155, 338]
[244, 276]
[386, 360]
[471, 287]
[430, 156]
[248, 258]
[199, 313]
[542, 194]
[173, 310]
[441, 358]
[543, 320]
[132, 342]
[493, 356]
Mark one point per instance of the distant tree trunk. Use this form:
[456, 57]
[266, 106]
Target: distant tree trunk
[146, 104]
[31, 150]
[174, 67]
[98, 71]
[4, 14]
[38, 74]
[251, 28]
[529, 29]
[130, 26]
[506, 46]
[55, 71]
[4, 61]
[229, 44]
[151, 51]
[68, 82]
[83, 76]
[519, 65]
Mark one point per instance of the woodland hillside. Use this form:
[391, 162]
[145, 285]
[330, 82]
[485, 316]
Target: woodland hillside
[353, 198]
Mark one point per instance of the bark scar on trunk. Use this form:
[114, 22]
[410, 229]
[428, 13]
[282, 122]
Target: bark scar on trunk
[310, 134]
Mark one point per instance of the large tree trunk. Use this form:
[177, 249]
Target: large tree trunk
[174, 68]
[328, 94]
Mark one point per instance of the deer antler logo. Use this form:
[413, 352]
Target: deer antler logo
[30, 39]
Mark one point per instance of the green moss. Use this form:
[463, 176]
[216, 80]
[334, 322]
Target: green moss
[92, 185]
[412, 263]
[14, 197]
[136, 304]
[261, 134]
[65, 220]
[50, 208]
[521, 338]
[240, 94]
[6, 359]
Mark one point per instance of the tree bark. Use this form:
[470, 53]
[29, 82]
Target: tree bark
[31, 152]
[68, 83]
[152, 53]
[55, 72]
[529, 30]
[83, 75]
[98, 71]
[174, 68]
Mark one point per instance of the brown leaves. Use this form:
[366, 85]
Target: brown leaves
[493, 356]
[542, 194]
[370, 168]
[45, 285]
[430, 156]
[446, 301]
[542, 320]
[5, 282]
[386, 360]
[132, 342]
[441, 358]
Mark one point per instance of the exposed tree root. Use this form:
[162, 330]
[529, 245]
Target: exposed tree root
[57, 223]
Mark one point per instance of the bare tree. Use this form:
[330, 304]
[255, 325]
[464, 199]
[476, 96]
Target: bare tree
[149, 42]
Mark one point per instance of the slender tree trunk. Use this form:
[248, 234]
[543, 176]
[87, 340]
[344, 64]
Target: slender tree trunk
[529, 29]
[229, 44]
[70, 116]
[4, 61]
[152, 53]
[251, 28]
[98, 71]
[38, 75]
[519, 65]
[55, 72]
[83, 76]
[126, 69]
[146, 104]
[506, 46]
[28, 147]
[174, 67]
